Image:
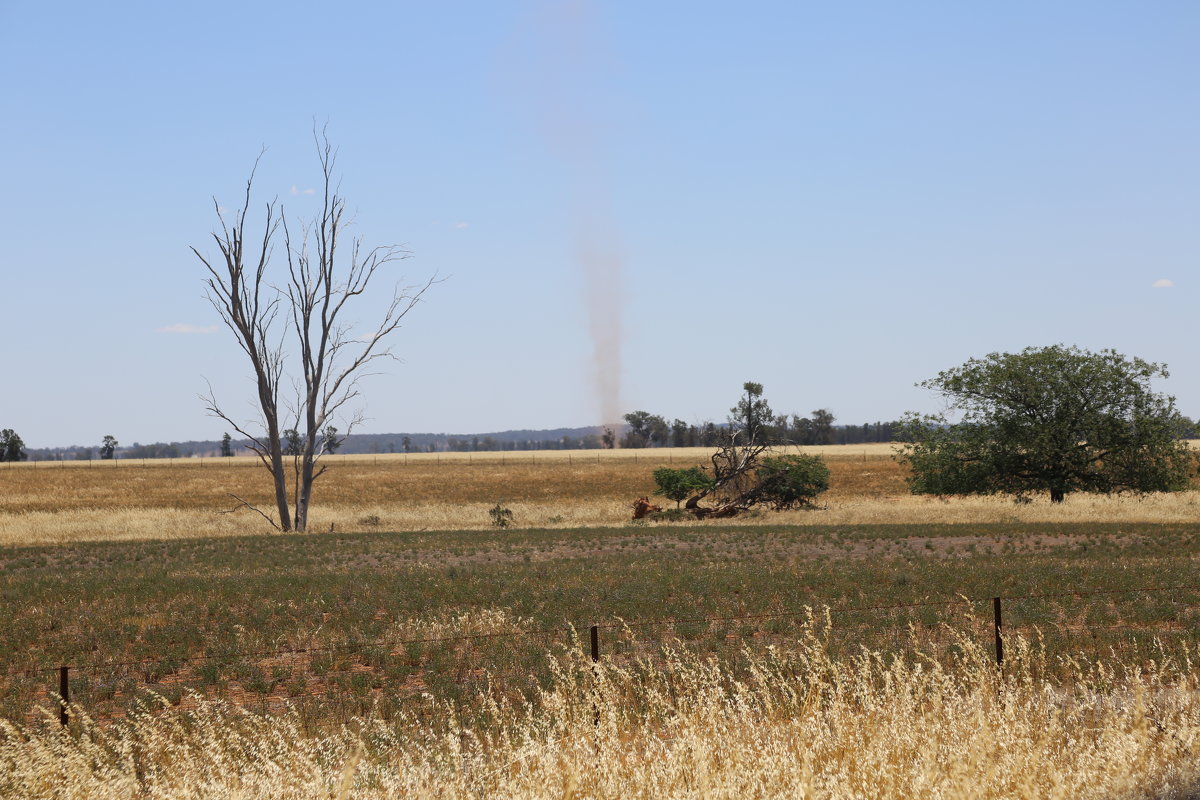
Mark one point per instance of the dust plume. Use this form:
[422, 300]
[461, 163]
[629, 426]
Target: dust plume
[602, 275]
[566, 72]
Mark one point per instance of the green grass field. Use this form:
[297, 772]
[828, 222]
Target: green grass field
[357, 603]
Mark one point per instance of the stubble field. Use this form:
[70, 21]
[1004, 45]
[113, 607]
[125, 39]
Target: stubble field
[64, 502]
[452, 649]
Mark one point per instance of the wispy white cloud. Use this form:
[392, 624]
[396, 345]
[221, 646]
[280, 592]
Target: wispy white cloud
[187, 327]
[294, 191]
[461, 225]
[1163, 283]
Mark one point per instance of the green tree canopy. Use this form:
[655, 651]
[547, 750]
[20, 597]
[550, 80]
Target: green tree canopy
[330, 440]
[645, 430]
[680, 484]
[108, 447]
[12, 448]
[1055, 419]
[752, 416]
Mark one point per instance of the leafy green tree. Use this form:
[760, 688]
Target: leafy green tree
[108, 447]
[12, 448]
[822, 426]
[226, 445]
[680, 484]
[680, 433]
[641, 429]
[1048, 419]
[293, 445]
[752, 416]
[1187, 428]
[330, 440]
[802, 431]
[658, 432]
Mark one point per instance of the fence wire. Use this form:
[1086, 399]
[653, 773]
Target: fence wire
[383, 677]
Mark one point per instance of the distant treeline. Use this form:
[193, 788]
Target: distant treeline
[591, 438]
[641, 429]
[644, 429]
[136, 450]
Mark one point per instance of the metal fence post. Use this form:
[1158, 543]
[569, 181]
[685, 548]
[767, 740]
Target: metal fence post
[595, 643]
[64, 692]
[999, 639]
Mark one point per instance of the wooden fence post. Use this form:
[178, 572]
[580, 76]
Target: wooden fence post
[595, 657]
[64, 692]
[999, 639]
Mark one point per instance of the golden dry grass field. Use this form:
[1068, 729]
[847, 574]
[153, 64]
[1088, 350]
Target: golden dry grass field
[800, 725]
[59, 502]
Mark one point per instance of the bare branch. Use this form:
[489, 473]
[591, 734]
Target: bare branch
[243, 504]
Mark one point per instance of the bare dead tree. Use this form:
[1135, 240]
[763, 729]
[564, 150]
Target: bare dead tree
[296, 330]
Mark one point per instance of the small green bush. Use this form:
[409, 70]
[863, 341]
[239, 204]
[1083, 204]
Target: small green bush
[680, 484]
[501, 517]
[792, 481]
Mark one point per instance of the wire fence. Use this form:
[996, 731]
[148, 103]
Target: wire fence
[339, 681]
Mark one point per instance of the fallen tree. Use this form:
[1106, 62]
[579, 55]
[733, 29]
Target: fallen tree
[743, 471]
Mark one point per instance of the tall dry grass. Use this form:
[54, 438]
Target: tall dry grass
[798, 724]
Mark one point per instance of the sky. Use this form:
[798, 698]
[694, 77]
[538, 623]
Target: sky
[628, 205]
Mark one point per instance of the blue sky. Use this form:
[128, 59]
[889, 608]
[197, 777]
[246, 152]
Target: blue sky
[835, 200]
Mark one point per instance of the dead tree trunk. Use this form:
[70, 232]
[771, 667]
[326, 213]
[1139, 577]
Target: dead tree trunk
[249, 308]
[323, 277]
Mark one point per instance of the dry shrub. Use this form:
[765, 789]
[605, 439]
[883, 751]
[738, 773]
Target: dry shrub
[788, 725]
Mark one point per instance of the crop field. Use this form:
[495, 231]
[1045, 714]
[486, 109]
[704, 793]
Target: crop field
[405, 629]
[64, 502]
